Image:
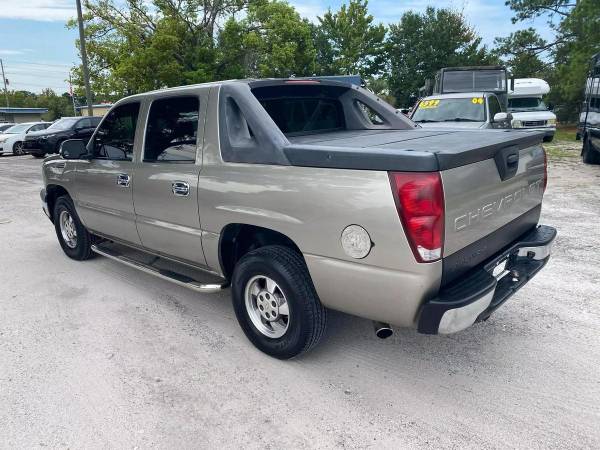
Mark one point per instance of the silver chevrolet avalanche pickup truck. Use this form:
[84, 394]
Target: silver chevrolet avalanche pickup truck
[303, 195]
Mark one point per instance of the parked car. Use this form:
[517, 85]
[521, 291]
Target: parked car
[5, 126]
[40, 143]
[11, 140]
[304, 195]
[526, 104]
[588, 129]
[462, 110]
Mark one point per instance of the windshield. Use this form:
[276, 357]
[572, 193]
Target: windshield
[526, 104]
[18, 128]
[63, 124]
[470, 109]
[474, 80]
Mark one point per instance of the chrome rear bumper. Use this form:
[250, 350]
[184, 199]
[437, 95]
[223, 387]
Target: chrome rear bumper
[478, 294]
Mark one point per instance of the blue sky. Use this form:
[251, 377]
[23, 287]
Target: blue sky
[38, 50]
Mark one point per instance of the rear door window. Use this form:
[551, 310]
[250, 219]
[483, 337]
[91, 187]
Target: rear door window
[84, 123]
[172, 130]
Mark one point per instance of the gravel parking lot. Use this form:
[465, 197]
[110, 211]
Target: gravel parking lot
[98, 355]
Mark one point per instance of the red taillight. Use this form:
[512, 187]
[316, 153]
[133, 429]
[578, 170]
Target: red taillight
[545, 170]
[420, 202]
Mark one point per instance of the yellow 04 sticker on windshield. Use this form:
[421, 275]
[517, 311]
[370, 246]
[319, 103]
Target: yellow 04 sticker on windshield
[477, 100]
[426, 104]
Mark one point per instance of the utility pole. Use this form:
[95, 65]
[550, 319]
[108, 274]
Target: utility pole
[4, 81]
[72, 95]
[86, 72]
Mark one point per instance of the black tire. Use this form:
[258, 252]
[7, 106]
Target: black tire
[307, 316]
[548, 138]
[82, 249]
[18, 148]
[588, 154]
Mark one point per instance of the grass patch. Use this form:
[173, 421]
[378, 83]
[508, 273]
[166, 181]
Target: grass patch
[566, 133]
[558, 152]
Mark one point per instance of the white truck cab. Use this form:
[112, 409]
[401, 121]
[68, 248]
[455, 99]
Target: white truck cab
[528, 109]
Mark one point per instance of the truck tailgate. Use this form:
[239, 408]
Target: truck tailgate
[489, 204]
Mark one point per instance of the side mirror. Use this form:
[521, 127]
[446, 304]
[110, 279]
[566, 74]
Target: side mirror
[73, 149]
[503, 117]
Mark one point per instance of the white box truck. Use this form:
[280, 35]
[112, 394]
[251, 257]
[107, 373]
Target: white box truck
[526, 104]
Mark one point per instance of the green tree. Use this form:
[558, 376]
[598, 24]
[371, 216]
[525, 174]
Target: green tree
[136, 45]
[520, 52]
[271, 41]
[57, 105]
[422, 43]
[380, 87]
[349, 43]
[576, 25]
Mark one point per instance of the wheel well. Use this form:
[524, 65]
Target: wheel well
[54, 191]
[238, 239]
[57, 145]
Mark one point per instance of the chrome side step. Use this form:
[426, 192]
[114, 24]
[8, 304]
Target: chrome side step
[113, 252]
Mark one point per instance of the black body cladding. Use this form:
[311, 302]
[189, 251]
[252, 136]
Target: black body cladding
[249, 134]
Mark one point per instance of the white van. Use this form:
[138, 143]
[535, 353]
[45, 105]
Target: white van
[528, 109]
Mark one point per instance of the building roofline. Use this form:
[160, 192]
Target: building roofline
[12, 110]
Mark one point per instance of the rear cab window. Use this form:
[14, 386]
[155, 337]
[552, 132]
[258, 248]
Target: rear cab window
[305, 114]
[308, 107]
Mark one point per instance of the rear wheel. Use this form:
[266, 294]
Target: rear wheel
[589, 155]
[73, 237]
[276, 303]
[18, 148]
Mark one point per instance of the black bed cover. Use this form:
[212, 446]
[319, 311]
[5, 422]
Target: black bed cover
[415, 150]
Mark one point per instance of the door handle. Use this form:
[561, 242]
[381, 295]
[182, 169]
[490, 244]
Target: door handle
[123, 180]
[180, 188]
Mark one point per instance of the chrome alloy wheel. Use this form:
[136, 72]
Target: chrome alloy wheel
[67, 229]
[18, 149]
[267, 306]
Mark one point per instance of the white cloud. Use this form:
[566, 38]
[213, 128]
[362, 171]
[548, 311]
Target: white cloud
[42, 10]
[9, 52]
[35, 76]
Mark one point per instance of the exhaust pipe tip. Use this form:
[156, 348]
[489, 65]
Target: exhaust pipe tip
[383, 330]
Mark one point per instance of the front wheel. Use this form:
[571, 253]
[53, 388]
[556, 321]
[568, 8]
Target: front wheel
[18, 148]
[275, 302]
[73, 237]
[588, 154]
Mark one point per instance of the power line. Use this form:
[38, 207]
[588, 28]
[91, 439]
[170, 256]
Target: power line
[44, 86]
[39, 63]
[14, 70]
